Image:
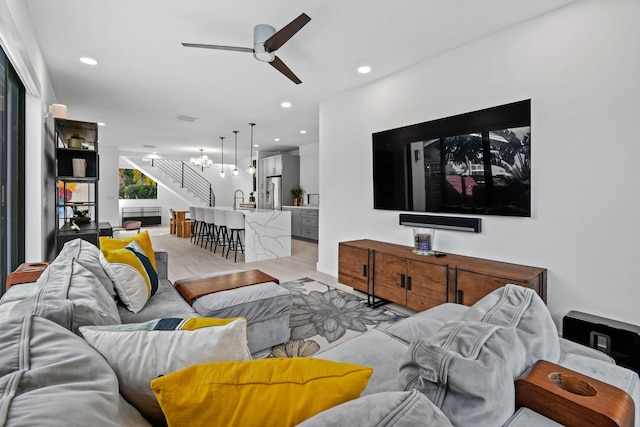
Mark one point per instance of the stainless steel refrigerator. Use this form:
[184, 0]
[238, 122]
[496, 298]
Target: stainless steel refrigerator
[273, 194]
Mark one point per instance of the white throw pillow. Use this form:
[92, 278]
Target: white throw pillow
[140, 352]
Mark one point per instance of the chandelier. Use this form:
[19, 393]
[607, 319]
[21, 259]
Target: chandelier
[201, 162]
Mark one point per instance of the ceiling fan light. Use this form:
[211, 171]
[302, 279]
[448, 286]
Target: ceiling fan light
[264, 56]
[261, 33]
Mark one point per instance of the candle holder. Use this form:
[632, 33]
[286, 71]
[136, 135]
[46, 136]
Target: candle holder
[423, 241]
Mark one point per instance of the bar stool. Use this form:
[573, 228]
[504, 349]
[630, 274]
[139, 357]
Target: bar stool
[172, 221]
[209, 227]
[199, 225]
[222, 236]
[235, 225]
[192, 217]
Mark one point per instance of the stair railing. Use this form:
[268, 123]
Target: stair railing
[187, 178]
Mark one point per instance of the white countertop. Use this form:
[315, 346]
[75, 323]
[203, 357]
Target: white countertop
[252, 210]
[302, 207]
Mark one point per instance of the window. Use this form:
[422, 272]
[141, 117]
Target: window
[12, 170]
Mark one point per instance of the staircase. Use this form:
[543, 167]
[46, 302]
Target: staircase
[187, 178]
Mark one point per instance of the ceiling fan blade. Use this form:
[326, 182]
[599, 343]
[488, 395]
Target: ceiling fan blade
[280, 66]
[219, 47]
[276, 41]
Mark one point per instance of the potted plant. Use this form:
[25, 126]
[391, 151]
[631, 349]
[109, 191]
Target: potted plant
[297, 196]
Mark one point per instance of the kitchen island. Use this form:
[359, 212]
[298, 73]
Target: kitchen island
[267, 233]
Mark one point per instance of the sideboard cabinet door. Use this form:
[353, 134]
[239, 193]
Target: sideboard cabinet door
[472, 286]
[427, 285]
[353, 267]
[390, 278]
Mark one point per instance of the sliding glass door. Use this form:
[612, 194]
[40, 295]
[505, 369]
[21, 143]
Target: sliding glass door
[12, 170]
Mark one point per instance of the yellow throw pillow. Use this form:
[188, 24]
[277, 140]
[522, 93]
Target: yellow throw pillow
[261, 393]
[142, 239]
[132, 274]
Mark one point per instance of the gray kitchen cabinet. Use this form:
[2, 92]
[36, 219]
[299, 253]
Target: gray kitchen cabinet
[304, 223]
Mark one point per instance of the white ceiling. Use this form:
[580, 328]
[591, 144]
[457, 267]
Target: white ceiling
[145, 78]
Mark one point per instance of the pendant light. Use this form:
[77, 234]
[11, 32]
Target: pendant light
[251, 169]
[235, 167]
[222, 158]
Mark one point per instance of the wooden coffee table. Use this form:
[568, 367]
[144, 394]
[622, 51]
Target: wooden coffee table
[193, 289]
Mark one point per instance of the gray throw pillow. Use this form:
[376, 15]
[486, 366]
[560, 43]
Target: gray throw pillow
[70, 295]
[91, 258]
[49, 376]
[521, 308]
[467, 369]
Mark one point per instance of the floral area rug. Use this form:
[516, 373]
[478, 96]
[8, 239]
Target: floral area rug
[323, 317]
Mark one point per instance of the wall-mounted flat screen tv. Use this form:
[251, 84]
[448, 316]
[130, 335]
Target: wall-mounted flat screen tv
[472, 163]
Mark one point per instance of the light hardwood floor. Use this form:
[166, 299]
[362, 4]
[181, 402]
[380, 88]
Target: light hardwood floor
[187, 259]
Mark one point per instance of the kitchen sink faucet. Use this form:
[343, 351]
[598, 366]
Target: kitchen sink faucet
[235, 197]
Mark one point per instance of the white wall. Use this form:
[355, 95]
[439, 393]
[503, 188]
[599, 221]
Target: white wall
[579, 68]
[310, 168]
[108, 208]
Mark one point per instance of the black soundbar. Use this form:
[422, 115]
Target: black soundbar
[443, 222]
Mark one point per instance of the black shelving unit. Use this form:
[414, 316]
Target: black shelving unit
[76, 195]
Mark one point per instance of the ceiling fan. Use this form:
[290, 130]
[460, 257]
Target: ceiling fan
[265, 42]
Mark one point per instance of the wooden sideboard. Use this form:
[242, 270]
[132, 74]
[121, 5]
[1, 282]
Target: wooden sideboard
[394, 273]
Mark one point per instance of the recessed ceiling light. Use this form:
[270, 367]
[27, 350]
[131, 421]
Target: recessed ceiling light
[364, 69]
[88, 61]
[101, 124]
[276, 139]
[285, 104]
[303, 131]
[256, 145]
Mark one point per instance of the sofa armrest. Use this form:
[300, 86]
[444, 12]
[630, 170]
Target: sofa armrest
[25, 273]
[162, 264]
[569, 347]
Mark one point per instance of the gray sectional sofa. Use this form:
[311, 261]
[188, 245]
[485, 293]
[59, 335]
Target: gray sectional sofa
[464, 361]
[451, 365]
